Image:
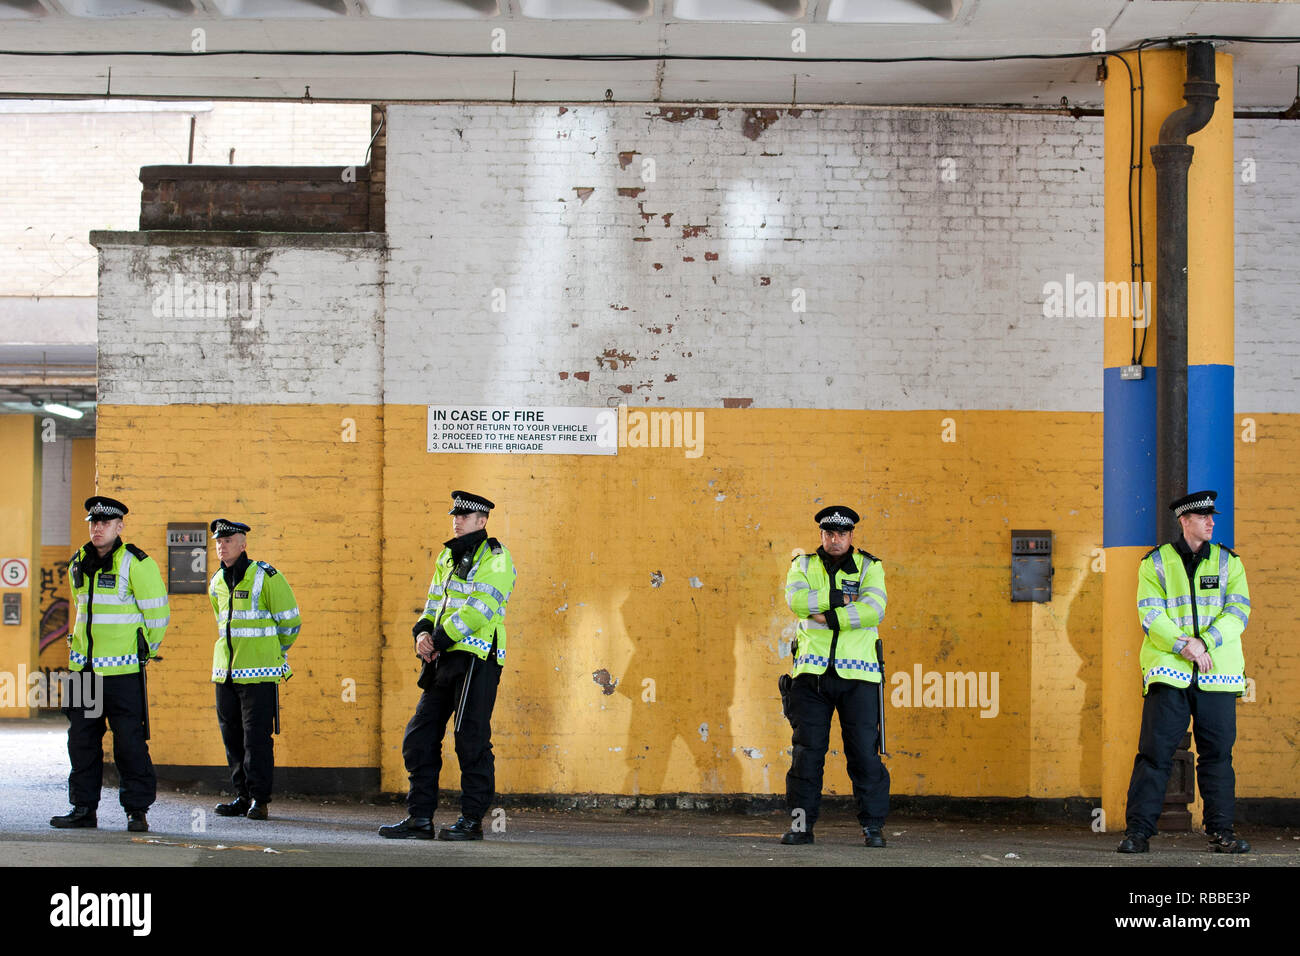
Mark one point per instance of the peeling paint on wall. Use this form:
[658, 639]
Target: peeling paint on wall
[604, 682]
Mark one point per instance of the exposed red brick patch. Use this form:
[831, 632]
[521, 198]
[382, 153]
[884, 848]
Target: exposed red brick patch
[584, 192]
[764, 280]
[626, 389]
[688, 258]
[681, 115]
[694, 232]
[710, 257]
[625, 158]
[631, 192]
[563, 110]
[668, 220]
[670, 377]
[614, 357]
[658, 266]
[640, 238]
[757, 122]
[582, 376]
[737, 402]
[563, 376]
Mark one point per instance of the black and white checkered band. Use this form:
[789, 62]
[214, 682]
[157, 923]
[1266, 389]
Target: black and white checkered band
[844, 521]
[226, 528]
[1193, 506]
[471, 505]
[102, 511]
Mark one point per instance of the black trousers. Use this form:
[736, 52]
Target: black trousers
[813, 699]
[1165, 712]
[115, 702]
[422, 744]
[246, 714]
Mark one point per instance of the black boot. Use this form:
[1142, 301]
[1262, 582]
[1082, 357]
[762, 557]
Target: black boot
[412, 828]
[258, 810]
[1224, 842]
[1133, 843]
[79, 817]
[462, 829]
[236, 808]
[874, 836]
[798, 838]
[136, 821]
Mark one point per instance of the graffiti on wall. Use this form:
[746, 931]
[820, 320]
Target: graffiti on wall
[54, 608]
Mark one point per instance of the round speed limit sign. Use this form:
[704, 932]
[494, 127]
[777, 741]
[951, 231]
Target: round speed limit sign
[14, 572]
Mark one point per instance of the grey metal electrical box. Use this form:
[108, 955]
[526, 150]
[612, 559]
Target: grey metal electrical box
[187, 558]
[1031, 565]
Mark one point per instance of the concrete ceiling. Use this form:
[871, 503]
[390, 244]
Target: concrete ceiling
[332, 32]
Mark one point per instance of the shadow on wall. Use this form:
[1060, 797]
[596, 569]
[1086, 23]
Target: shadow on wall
[690, 693]
[1083, 627]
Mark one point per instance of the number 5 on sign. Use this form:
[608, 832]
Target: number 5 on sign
[14, 572]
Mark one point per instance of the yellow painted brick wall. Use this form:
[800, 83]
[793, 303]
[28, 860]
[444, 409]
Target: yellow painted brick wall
[312, 500]
[355, 526]
[1267, 755]
[587, 535]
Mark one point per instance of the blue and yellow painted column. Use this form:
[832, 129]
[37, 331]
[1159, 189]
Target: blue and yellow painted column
[1133, 518]
[20, 540]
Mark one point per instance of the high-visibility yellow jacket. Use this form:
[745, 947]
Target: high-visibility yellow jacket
[115, 608]
[1214, 606]
[257, 622]
[861, 579]
[475, 614]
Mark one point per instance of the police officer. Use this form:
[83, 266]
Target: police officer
[838, 595]
[1194, 604]
[257, 622]
[461, 637]
[121, 615]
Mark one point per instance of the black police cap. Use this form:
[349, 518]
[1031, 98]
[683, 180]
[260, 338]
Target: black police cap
[1197, 503]
[464, 503]
[837, 518]
[100, 508]
[224, 528]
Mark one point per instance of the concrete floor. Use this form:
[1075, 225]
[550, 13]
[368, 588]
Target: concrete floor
[341, 832]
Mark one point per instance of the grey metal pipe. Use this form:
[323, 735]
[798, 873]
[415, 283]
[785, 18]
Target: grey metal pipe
[1172, 158]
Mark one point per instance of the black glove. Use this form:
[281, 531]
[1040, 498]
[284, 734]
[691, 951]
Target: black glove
[141, 647]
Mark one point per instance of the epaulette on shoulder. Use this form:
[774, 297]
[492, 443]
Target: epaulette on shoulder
[1152, 551]
[495, 545]
[139, 555]
[798, 556]
[1229, 550]
[868, 555]
[267, 568]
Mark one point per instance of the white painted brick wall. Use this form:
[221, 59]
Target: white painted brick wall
[67, 173]
[920, 293]
[1267, 285]
[56, 488]
[316, 337]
